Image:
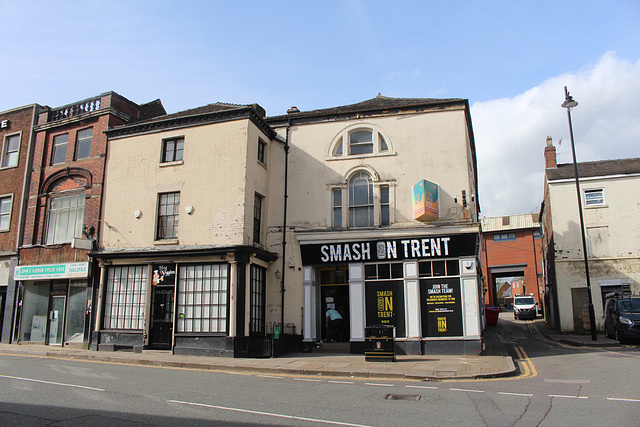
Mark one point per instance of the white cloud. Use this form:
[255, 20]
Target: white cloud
[510, 133]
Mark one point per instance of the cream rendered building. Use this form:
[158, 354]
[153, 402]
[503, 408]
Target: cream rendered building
[353, 242]
[182, 242]
[610, 190]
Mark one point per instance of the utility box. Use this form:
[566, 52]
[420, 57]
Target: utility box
[379, 343]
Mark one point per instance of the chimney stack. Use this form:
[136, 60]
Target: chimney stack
[550, 155]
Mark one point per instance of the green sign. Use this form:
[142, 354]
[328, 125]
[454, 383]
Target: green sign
[52, 271]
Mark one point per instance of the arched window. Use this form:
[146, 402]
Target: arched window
[361, 200]
[361, 140]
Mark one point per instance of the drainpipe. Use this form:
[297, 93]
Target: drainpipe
[284, 222]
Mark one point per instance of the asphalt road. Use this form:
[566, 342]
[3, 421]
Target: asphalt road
[559, 385]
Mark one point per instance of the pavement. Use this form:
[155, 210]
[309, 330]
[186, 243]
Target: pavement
[495, 361]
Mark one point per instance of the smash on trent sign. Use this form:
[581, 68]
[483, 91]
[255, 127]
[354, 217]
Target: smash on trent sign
[391, 250]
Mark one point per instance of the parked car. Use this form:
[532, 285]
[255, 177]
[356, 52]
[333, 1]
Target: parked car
[622, 317]
[525, 307]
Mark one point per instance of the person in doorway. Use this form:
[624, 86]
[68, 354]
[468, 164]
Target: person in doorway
[334, 325]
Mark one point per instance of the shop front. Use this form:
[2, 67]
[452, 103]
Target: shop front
[425, 286]
[54, 303]
[208, 302]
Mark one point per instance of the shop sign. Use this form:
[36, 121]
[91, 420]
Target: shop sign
[164, 274]
[425, 201]
[441, 307]
[52, 271]
[4, 124]
[385, 304]
[390, 250]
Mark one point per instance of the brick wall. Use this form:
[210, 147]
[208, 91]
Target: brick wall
[12, 179]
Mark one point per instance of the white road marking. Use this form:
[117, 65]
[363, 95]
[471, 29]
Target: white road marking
[341, 382]
[51, 383]
[462, 389]
[307, 379]
[271, 376]
[623, 400]
[568, 397]
[247, 411]
[380, 385]
[421, 386]
[515, 394]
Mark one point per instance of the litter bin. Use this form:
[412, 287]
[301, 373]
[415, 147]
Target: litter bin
[492, 315]
[379, 343]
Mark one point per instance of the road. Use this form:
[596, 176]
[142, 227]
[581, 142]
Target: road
[559, 385]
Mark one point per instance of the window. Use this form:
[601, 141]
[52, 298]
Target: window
[361, 200]
[202, 298]
[168, 207]
[125, 297]
[5, 212]
[10, 151]
[503, 237]
[449, 267]
[64, 218]
[172, 150]
[336, 207]
[383, 271]
[385, 218]
[361, 142]
[59, 154]
[506, 220]
[594, 197]
[257, 215]
[257, 300]
[83, 144]
[261, 151]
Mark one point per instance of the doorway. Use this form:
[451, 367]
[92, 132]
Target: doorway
[56, 319]
[161, 330]
[334, 293]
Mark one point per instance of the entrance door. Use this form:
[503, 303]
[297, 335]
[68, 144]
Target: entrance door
[56, 319]
[334, 293]
[161, 318]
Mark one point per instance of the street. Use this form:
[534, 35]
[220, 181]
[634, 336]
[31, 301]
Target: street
[558, 385]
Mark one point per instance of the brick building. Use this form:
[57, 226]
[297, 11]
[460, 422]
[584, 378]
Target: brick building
[16, 138]
[63, 215]
[512, 259]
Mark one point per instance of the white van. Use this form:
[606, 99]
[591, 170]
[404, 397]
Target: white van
[524, 306]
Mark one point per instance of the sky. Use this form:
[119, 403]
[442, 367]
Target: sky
[510, 59]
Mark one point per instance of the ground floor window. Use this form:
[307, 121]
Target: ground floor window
[35, 305]
[384, 296]
[202, 298]
[257, 298]
[124, 306]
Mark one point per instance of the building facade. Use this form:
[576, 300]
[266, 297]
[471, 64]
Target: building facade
[512, 259]
[184, 250]
[63, 216]
[610, 190]
[16, 157]
[383, 224]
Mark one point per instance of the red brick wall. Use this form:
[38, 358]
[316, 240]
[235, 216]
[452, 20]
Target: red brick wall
[525, 249]
[12, 179]
[42, 169]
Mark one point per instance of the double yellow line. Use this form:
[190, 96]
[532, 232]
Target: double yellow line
[527, 365]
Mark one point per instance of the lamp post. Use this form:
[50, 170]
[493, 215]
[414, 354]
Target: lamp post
[569, 103]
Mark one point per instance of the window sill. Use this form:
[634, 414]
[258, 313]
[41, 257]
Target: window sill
[165, 242]
[596, 206]
[167, 164]
[360, 156]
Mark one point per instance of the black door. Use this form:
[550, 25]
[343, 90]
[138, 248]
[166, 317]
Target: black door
[161, 318]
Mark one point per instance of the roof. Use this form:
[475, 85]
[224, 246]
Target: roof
[211, 113]
[510, 222]
[595, 169]
[379, 103]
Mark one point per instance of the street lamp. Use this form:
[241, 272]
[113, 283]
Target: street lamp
[569, 103]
